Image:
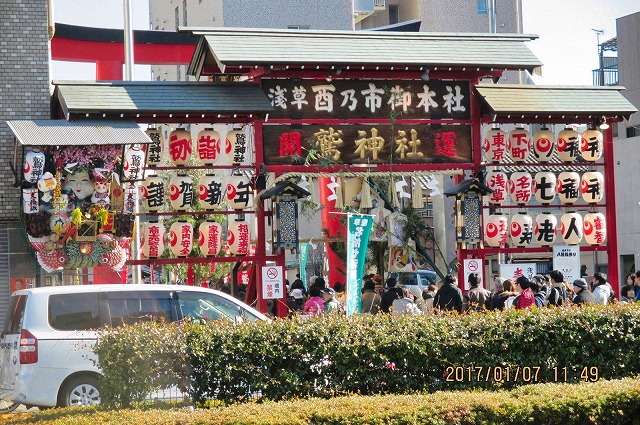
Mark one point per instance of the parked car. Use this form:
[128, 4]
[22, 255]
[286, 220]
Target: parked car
[46, 356]
[420, 278]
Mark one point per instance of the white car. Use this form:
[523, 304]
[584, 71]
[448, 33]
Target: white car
[45, 346]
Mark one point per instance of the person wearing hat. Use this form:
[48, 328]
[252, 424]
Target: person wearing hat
[331, 304]
[583, 295]
[295, 300]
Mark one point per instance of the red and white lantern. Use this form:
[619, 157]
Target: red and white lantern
[154, 149]
[498, 182]
[543, 142]
[496, 230]
[591, 145]
[495, 144]
[210, 238]
[239, 192]
[238, 235]
[571, 228]
[30, 201]
[520, 187]
[545, 229]
[181, 192]
[595, 228]
[153, 193]
[568, 187]
[133, 169]
[152, 243]
[236, 147]
[181, 238]
[568, 144]
[521, 229]
[210, 191]
[545, 186]
[33, 165]
[519, 144]
[180, 146]
[209, 146]
[592, 187]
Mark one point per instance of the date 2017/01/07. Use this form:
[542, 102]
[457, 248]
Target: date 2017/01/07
[522, 374]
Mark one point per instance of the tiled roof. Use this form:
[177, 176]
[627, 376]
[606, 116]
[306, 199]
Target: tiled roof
[82, 133]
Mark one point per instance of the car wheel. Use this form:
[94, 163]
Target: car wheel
[80, 391]
[7, 405]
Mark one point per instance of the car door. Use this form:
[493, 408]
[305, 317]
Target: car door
[9, 344]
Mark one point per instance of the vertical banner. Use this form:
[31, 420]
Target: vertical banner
[304, 256]
[566, 258]
[358, 229]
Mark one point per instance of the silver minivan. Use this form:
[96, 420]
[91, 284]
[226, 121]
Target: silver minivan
[46, 358]
[420, 278]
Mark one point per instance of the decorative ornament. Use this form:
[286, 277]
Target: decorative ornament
[519, 143]
[209, 146]
[153, 192]
[180, 147]
[592, 187]
[496, 230]
[210, 238]
[239, 192]
[181, 192]
[495, 144]
[595, 228]
[154, 149]
[591, 145]
[238, 237]
[571, 228]
[152, 242]
[521, 229]
[33, 166]
[545, 186]
[543, 142]
[236, 147]
[568, 187]
[210, 191]
[498, 182]
[545, 229]
[520, 186]
[181, 238]
[568, 144]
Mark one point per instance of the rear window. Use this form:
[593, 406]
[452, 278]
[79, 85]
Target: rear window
[13, 322]
[74, 312]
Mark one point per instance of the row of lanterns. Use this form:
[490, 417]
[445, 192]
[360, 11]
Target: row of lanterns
[519, 143]
[524, 230]
[208, 144]
[181, 238]
[568, 186]
[237, 192]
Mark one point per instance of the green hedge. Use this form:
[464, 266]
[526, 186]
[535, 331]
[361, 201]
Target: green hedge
[329, 356]
[613, 402]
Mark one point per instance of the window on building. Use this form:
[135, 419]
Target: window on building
[177, 17]
[482, 7]
[633, 131]
[429, 208]
[298, 27]
[394, 16]
[184, 12]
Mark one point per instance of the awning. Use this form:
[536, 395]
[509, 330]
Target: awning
[83, 133]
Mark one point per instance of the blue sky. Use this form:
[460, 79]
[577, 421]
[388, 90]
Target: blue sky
[567, 45]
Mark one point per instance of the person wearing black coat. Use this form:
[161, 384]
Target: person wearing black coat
[389, 296]
[449, 296]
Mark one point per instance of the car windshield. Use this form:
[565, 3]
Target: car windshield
[201, 306]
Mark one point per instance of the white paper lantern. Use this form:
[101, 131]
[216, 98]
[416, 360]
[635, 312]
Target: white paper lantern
[495, 144]
[545, 186]
[519, 144]
[545, 229]
[154, 149]
[210, 238]
[133, 169]
[180, 146]
[595, 228]
[152, 243]
[181, 192]
[591, 146]
[239, 192]
[181, 238]
[30, 201]
[568, 187]
[521, 229]
[543, 142]
[571, 228]
[210, 191]
[568, 144]
[236, 147]
[209, 146]
[592, 187]
[153, 193]
[496, 230]
[238, 235]
[497, 181]
[33, 165]
[520, 187]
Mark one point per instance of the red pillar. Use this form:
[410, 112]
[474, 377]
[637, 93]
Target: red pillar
[332, 227]
[610, 212]
[108, 70]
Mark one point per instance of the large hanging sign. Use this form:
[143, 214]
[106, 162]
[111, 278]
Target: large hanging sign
[344, 99]
[365, 144]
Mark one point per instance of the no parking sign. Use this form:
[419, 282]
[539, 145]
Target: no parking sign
[272, 282]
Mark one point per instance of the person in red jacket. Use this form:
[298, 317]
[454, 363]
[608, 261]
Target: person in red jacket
[526, 299]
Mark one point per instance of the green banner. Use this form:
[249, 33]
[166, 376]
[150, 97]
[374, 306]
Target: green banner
[304, 255]
[358, 229]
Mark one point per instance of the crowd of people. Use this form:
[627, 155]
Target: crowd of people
[548, 290]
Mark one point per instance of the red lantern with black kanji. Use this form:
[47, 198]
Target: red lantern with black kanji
[239, 192]
[591, 145]
[496, 230]
[571, 228]
[545, 229]
[180, 146]
[209, 146]
[181, 192]
[153, 193]
[236, 147]
[495, 144]
[210, 238]
[519, 144]
[238, 234]
[155, 148]
[568, 144]
[181, 238]
[521, 229]
[592, 187]
[545, 186]
[568, 187]
[152, 243]
[520, 187]
[543, 142]
[595, 228]
[497, 181]
[210, 191]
